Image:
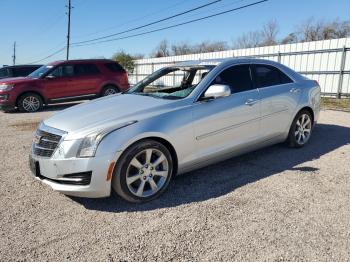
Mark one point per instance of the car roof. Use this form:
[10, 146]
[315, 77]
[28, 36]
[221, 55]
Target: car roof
[82, 61]
[15, 66]
[216, 62]
[222, 63]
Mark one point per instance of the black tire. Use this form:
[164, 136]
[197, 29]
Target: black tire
[23, 103]
[292, 139]
[109, 90]
[119, 181]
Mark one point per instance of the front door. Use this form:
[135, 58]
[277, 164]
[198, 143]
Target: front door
[55, 84]
[225, 124]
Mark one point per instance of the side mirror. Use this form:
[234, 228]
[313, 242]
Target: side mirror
[216, 91]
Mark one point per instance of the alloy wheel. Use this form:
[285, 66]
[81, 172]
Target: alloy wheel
[303, 129]
[147, 173]
[109, 91]
[31, 104]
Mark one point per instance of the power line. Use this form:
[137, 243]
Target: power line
[131, 21]
[51, 55]
[176, 25]
[152, 23]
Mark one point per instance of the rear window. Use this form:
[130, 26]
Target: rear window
[266, 75]
[115, 67]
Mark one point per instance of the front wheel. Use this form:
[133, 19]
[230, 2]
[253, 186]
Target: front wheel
[300, 131]
[144, 172]
[30, 102]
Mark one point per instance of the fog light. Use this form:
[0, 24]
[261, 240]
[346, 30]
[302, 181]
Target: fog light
[4, 97]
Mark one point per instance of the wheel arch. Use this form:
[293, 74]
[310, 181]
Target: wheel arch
[165, 143]
[310, 110]
[29, 92]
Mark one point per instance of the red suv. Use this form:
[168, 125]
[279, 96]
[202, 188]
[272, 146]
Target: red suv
[63, 81]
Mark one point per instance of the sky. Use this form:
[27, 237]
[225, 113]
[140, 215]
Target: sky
[39, 27]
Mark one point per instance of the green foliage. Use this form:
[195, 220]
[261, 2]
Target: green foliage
[126, 60]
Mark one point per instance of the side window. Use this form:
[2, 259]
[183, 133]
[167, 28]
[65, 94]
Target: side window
[22, 71]
[85, 69]
[267, 75]
[5, 72]
[115, 67]
[63, 71]
[237, 77]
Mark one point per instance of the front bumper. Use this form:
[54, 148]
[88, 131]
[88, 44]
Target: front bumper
[5, 103]
[51, 172]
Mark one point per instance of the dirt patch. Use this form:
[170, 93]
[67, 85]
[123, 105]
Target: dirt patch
[26, 125]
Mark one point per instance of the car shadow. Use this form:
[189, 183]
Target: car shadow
[222, 178]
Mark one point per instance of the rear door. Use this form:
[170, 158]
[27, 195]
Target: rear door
[223, 124]
[279, 97]
[86, 80]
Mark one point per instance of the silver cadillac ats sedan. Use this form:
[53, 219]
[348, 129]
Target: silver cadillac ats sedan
[177, 119]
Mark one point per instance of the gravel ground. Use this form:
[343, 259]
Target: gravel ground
[273, 204]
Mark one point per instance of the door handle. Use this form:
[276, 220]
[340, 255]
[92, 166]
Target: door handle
[251, 102]
[294, 90]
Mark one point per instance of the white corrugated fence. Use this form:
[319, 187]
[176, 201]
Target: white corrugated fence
[327, 61]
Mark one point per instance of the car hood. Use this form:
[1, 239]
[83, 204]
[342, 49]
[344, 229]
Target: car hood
[16, 80]
[108, 112]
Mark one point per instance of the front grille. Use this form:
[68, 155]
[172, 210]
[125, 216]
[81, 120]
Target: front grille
[45, 143]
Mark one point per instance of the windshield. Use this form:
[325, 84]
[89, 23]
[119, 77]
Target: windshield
[171, 82]
[40, 71]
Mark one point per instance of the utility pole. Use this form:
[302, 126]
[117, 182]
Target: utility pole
[14, 53]
[68, 34]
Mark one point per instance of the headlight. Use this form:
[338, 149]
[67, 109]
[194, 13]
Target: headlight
[6, 87]
[90, 143]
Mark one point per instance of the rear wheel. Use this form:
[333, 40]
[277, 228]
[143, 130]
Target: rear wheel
[109, 90]
[300, 131]
[30, 102]
[144, 172]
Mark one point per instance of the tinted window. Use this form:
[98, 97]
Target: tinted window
[237, 77]
[5, 72]
[63, 71]
[23, 71]
[85, 69]
[266, 75]
[115, 67]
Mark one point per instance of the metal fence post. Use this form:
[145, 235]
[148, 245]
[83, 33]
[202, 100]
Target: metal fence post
[136, 73]
[279, 57]
[174, 76]
[152, 67]
[341, 72]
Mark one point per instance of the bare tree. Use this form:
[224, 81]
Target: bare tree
[208, 46]
[182, 49]
[248, 40]
[269, 33]
[162, 49]
[313, 30]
